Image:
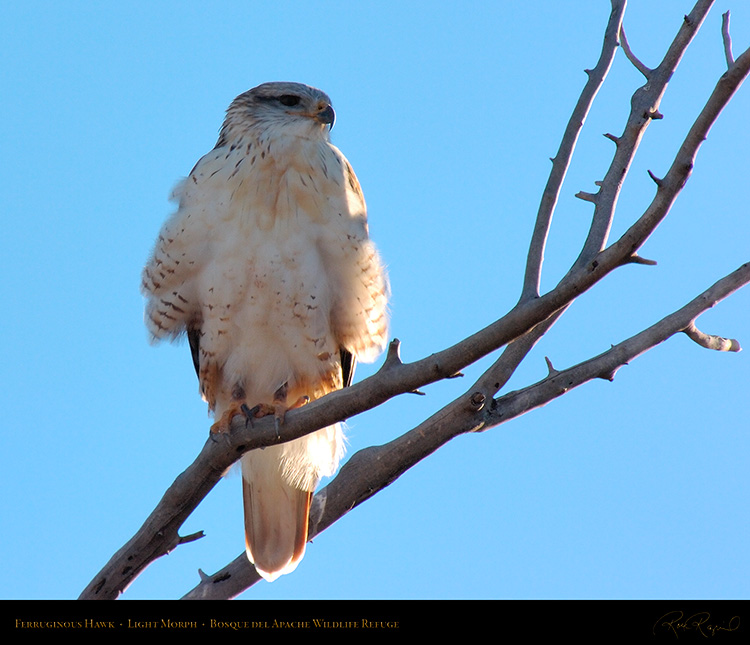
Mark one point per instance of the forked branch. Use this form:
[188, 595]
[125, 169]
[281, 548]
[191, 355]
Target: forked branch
[374, 468]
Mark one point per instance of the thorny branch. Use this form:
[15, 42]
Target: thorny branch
[561, 161]
[359, 479]
[374, 468]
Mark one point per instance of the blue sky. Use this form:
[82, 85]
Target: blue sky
[449, 113]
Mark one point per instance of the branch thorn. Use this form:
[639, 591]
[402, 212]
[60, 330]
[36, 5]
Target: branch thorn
[191, 538]
[637, 259]
[612, 137]
[656, 179]
[392, 358]
[586, 197]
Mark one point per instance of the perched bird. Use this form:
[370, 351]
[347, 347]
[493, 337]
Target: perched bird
[268, 269]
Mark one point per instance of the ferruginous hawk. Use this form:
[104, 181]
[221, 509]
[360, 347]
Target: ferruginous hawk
[268, 268]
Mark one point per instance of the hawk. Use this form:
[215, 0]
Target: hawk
[268, 268]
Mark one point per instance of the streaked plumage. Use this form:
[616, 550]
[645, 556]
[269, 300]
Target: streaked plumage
[268, 268]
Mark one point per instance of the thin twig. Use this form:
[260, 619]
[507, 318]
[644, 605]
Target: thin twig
[561, 160]
[727, 39]
[643, 69]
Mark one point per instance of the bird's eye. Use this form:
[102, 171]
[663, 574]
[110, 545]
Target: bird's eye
[289, 100]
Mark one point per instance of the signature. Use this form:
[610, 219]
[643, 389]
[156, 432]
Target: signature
[700, 622]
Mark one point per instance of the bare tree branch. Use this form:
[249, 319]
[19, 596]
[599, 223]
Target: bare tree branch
[643, 107]
[374, 468]
[561, 161]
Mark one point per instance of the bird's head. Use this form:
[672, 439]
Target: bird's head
[291, 109]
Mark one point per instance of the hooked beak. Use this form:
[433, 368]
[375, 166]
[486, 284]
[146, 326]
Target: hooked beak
[326, 116]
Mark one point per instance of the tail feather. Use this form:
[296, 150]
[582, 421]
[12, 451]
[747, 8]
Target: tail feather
[276, 516]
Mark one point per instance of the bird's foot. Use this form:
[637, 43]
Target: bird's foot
[223, 424]
[278, 409]
[239, 406]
